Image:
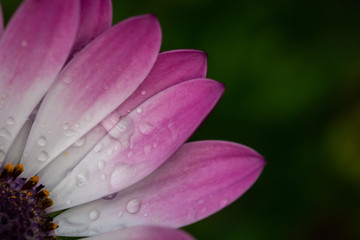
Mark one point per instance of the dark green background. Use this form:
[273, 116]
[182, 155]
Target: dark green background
[292, 71]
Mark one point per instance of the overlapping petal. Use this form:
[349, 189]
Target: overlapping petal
[31, 55]
[169, 69]
[95, 18]
[139, 143]
[198, 180]
[144, 233]
[91, 86]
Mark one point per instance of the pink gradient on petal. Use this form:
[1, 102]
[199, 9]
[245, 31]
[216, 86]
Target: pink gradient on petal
[140, 142]
[198, 180]
[95, 18]
[170, 68]
[92, 85]
[144, 233]
[33, 49]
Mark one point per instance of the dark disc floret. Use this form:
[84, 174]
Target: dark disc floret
[22, 209]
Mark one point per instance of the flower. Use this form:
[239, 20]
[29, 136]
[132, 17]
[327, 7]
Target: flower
[100, 117]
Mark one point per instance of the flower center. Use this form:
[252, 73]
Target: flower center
[23, 204]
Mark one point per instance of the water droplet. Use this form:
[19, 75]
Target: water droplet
[103, 176]
[143, 92]
[120, 214]
[98, 147]
[42, 124]
[67, 80]
[110, 196]
[42, 141]
[94, 214]
[130, 154]
[43, 156]
[201, 201]
[121, 127]
[133, 206]
[146, 128]
[110, 152]
[77, 125]
[10, 121]
[5, 133]
[80, 142]
[49, 131]
[101, 164]
[69, 132]
[66, 126]
[24, 43]
[147, 149]
[68, 202]
[139, 110]
[81, 180]
[146, 214]
[224, 202]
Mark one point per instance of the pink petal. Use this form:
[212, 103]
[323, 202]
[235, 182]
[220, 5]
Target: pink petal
[33, 49]
[144, 233]
[169, 69]
[91, 86]
[199, 179]
[139, 143]
[95, 18]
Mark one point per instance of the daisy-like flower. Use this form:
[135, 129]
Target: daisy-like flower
[96, 115]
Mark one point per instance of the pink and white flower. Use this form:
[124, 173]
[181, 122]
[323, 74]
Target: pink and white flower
[101, 117]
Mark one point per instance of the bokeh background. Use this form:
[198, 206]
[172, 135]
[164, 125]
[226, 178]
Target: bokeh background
[292, 71]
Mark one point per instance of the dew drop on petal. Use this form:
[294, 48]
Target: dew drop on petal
[103, 176]
[24, 43]
[101, 164]
[80, 142]
[94, 214]
[66, 126]
[224, 202]
[139, 110]
[42, 141]
[143, 92]
[121, 127]
[69, 132]
[81, 180]
[147, 149]
[133, 206]
[10, 121]
[98, 147]
[146, 128]
[110, 196]
[130, 154]
[68, 202]
[43, 156]
[67, 80]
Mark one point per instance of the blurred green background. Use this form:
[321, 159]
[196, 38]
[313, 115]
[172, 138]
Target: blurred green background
[292, 72]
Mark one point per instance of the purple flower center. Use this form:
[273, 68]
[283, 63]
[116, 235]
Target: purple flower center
[23, 204]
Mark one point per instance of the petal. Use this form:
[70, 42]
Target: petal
[92, 85]
[144, 233]
[172, 67]
[199, 179]
[95, 18]
[169, 69]
[139, 143]
[33, 49]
